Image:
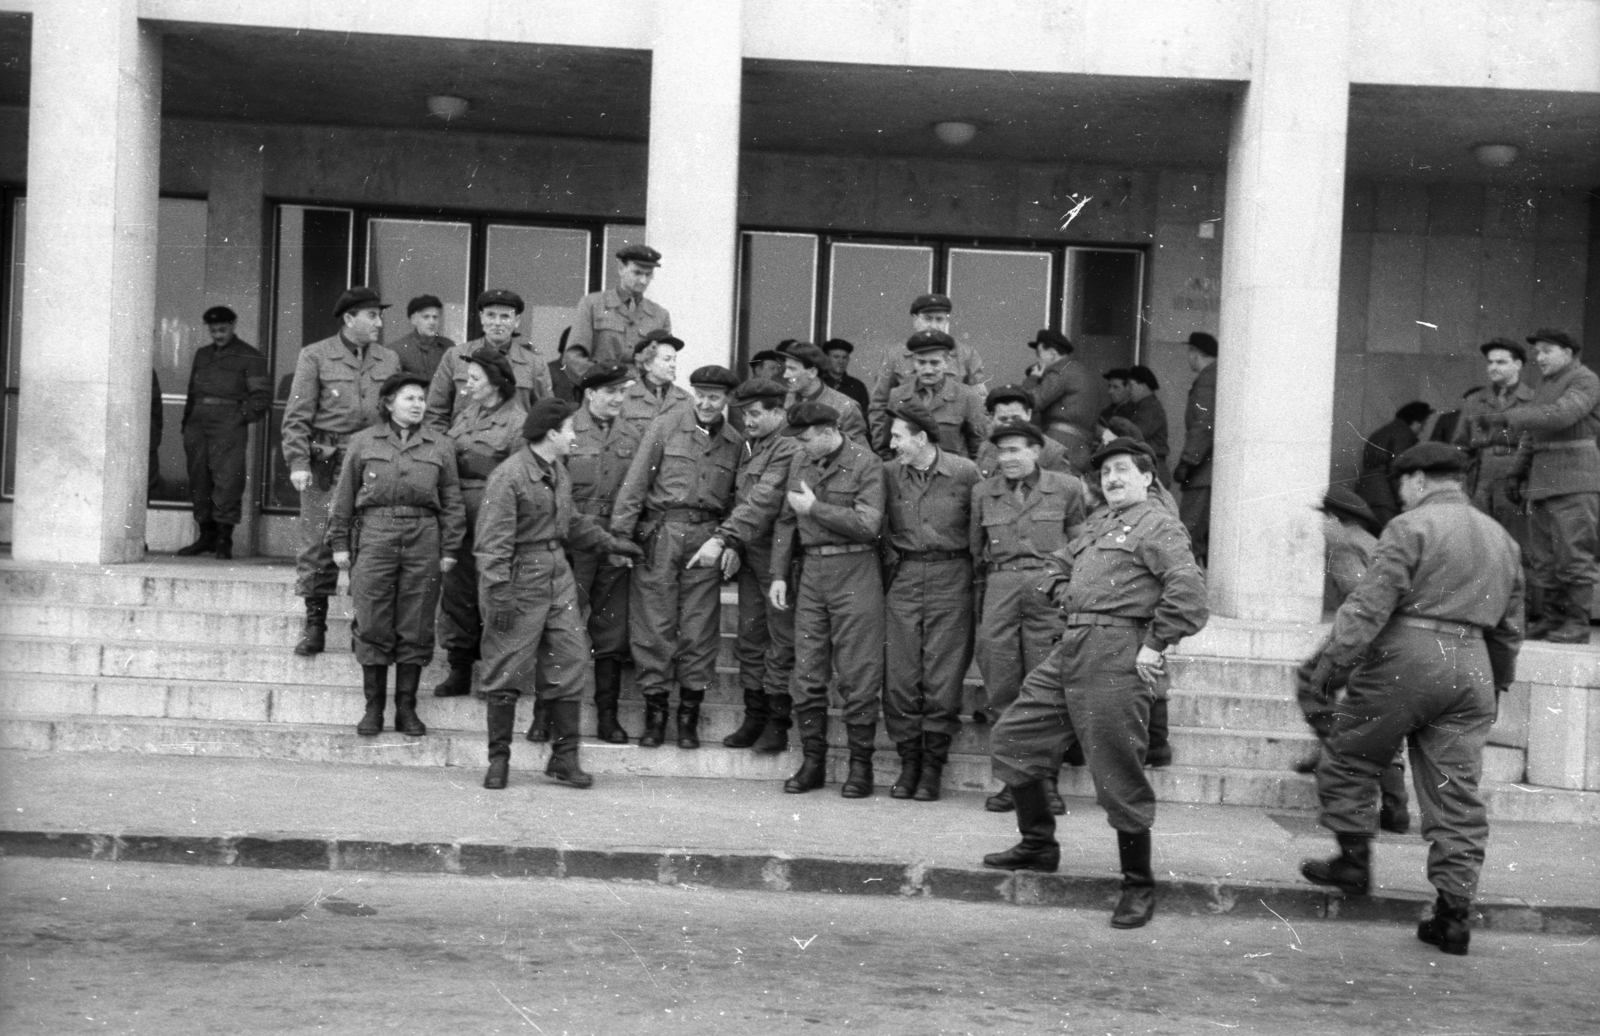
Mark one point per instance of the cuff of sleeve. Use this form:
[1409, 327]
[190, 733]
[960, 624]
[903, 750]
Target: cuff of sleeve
[1155, 643]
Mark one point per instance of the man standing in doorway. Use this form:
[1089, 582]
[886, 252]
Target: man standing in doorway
[1148, 414]
[1193, 471]
[1117, 388]
[928, 313]
[421, 350]
[839, 351]
[499, 313]
[610, 324]
[1062, 398]
[1498, 478]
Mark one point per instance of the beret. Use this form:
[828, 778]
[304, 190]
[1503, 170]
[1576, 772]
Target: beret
[1437, 457]
[545, 415]
[1008, 394]
[644, 255]
[1116, 374]
[395, 382]
[606, 375]
[423, 302]
[934, 303]
[219, 315]
[917, 416]
[713, 376]
[1204, 342]
[1027, 429]
[930, 341]
[766, 354]
[806, 353]
[496, 366]
[357, 298]
[1144, 376]
[1123, 428]
[1345, 503]
[810, 414]
[1121, 445]
[1054, 339]
[652, 337]
[838, 343]
[501, 297]
[1514, 348]
[759, 388]
[1554, 337]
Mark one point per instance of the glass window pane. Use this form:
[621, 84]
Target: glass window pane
[1001, 299]
[312, 271]
[549, 268]
[777, 290]
[180, 291]
[870, 288]
[173, 485]
[1101, 303]
[278, 493]
[617, 235]
[411, 257]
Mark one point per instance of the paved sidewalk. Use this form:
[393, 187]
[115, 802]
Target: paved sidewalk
[1218, 859]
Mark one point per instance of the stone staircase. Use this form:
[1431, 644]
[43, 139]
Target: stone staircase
[193, 658]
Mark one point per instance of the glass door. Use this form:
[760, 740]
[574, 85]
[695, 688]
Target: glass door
[411, 257]
[870, 289]
[777, 290]
[548, 267]
[1001, 299]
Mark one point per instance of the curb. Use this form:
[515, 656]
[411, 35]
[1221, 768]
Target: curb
[772, 873]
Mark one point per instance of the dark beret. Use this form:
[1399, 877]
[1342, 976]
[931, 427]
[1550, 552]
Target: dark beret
[759, 389]
[501, 297]
[1414, 411]
[1121, 445]
[220, 315]
[644, 255]
[1008, 394]
[1514, 348]
[606, 375]
[1144, 376]
[930, 342]
[395, 382]
[1204, 342]
[496, 367]
[1123, 428]
[766, 354]
[652, 337]
[1054, 339]
[713, 376]
[934, 303]
[1116, 374]
[357, 298]
[1554, 337]
[1026, 429]
[423, 302]
[917, 416]
[806, 353]
[838, 343]
[809, 415]
[1436, 457]
[546, 414]
[1346, 504]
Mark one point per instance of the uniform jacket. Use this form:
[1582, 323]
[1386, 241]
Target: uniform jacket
[1375, 485]
[599, 461]
[856, 389]
[758, 494]
[1199, 426]
[485, 436]
[931, 511]
[1003, 530]
[384, 469]
[1562, 424]
[679, 463]
[1442, 559]
[959, 409]
[849, 509]
[609, 327]
[1499, 454]
[851, 424]
[235, 371]
[421, 355]
[335, 391]
[643, 404]
[448, 391]
[1052, 457]
[1136, 564]
[1349, 553]
[1061, 396]
[965, 364]
[562, 385]
[1151, 418]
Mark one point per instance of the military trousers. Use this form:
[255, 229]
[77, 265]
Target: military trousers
[214, 441]
[1089, 693]
[928, 610]
[675, 613]
[766, 635]
[394, 587]
[1434, 691]
[603, 594]
[315, 574]
[1018, 630]
[460, 623]
[1194, 511]
[838, 625]
[547, 647]
[1563, 539]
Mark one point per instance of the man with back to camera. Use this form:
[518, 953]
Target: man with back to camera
[928, 313]
[335, 393]
[423, 346]
[567, 370]
[610, 324]
[803, 364]
[1192, 473]
[499, 313]
[1061, 397]
[1377, 483]
[957, 408]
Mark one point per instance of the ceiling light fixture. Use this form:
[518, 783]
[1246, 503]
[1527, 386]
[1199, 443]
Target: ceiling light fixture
[1495, 156]
[955, 134]
[447, 106]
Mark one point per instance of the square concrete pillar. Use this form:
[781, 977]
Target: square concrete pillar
[94, 145]
[1279, 318]
[692, 199]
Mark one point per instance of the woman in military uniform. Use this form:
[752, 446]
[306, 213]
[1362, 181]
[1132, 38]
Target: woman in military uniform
[397, 512]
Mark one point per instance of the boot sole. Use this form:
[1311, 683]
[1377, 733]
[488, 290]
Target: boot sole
[1349, 890]
[1036, 868]
[565, 781]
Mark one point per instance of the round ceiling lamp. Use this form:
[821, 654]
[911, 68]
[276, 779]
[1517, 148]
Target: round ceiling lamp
[447, 106]
[955, 134]
[1495, 156]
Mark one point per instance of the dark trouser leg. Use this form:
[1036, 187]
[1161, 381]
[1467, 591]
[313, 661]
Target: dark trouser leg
[417, 599]
[755, 639]
[653, 623]
[226, 439]
[502, 722]
[197, 457]
[1447, 764]
[375, 687]
[1038, 850]
[1194, 510]
[1572, 520]
[1160, 753]
[460, 622]
[375, 589]
[1109, 708]
[315, 573]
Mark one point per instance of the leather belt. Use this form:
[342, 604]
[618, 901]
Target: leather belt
[828, 550]
[1021, 565]
[217, 401]
[687, 515]
[1099, 619]
[551, 545]
[1464, 630]
[935, 555]
[400, 512]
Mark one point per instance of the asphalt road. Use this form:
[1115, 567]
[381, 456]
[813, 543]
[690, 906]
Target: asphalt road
[129, 948]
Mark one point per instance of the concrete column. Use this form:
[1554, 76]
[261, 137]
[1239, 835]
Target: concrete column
[89, 289]
[1280, 307]
[691, 208]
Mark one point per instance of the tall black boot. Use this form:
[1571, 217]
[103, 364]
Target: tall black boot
[1052, 794]
[1552, 613]
[935, 753]
[224, 541]
[1160, 750]
[607, 691]
[406, 720]
[205, 544]
[459, 682]
[563, 767]
[754, 722]
[1578, 600]
[1138, 901]
[1450, 926]
[502, 722]
[655, 722]
[1038, 850]
[313, 637]
[1000, 802]
[861, 736]
[905, 785]
[813, 772]
[775, 735]
[539, 728]
[375, 684]
[689, 717]
[1350, 871]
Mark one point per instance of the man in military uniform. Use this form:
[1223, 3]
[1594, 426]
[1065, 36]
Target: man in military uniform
[834, 509]
[499, 313]
[928, 490]
[1013, 404]
[1428, 639]
[1559, 426]
[803, 364]
[421, 350]
[335, 393]
[766, 634]
[1062, 399]
[678, 489]
[1377, 483]
[928, 313]
[654, 394]
[610, 324]
[568, 369]
[958, 408]
[839, 351]
[228, 392]
[1192, 473]
[1020, 517]
[1497, 479]
[1116, 381]
[1148, 415]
